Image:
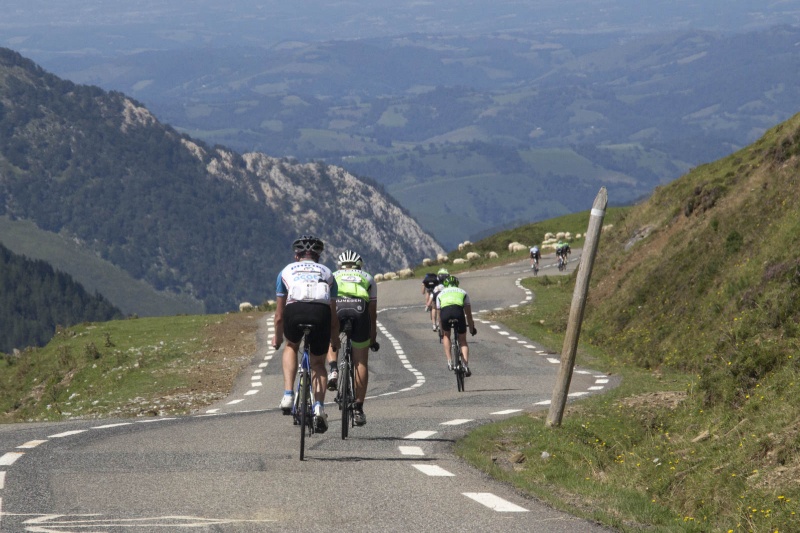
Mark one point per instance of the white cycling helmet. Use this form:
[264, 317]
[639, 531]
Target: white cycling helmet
[349, 257]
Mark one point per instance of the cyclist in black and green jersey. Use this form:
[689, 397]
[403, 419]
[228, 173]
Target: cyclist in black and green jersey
[357, 298]
[453, 302]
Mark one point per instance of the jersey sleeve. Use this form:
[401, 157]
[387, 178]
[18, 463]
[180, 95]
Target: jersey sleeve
[280, 286]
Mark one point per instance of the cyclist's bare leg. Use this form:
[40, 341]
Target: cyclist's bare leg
[319, 377]
[361, 362]
[332, 356]
[289, 364]
[462, 339]
[446, 344]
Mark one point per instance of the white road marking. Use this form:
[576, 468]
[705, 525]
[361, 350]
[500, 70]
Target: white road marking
[495, 503]
[597, 387]
[232, 402]
[113, 425]
[494, 326]
[457, 422]
[411, 450]
[251, 392]
[420, 435]
[504, 333]
[433, 470]
[9, 458]
[506, 412]
[601, 381]
[553, 360]
[576, 394]
[212, 411]
[2, 480]
[31, 444]
[66, 434]
[543, 402]
[530, 347]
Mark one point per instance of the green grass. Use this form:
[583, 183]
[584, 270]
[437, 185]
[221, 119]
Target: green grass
[117, 368]
[646, 455]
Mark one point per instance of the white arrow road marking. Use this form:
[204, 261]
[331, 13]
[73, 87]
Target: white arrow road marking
[433, 470]
[495, 502]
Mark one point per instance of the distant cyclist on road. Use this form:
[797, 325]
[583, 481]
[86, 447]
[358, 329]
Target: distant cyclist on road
[429, 282]
[536, 255]
[357, 298]
[453, 302]
[306, 294]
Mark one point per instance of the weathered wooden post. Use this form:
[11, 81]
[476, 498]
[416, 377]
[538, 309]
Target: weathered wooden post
[570, 348]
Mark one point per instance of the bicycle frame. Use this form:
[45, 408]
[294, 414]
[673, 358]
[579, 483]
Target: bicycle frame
[455, 354]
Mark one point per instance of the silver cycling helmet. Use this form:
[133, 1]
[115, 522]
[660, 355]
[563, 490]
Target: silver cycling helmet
[308, 243]
[349, 257]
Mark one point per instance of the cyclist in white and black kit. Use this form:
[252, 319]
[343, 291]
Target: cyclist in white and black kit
[306, 294]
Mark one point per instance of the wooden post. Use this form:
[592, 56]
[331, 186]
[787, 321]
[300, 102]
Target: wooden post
[570, 348]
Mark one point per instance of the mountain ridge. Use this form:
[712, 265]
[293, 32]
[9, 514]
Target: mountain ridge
[186, 218]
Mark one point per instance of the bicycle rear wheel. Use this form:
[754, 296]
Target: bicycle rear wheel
[303, 392]
[344, 393]
[458, 366]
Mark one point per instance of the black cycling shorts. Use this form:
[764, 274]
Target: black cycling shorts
[314, 313]
[357, 309]
[453, 311]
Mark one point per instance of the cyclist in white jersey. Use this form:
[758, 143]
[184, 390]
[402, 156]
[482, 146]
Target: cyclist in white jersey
[306, 294]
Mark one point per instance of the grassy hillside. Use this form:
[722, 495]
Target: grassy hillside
[695, 304]
[130, 295]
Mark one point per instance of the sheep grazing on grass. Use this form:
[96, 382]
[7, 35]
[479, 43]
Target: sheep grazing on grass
[405, 273]
[442, 258]
[245, 306]
[492, 255]
[517, 247]
[390, 276]
[378, 277]
[464, 245]
[427, 262]
[459, 261]
[471, 256]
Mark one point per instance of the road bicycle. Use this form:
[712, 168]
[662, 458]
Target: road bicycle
[455, 355]
[535, 267]
[345, 395]
[562, 262]
[302, 410]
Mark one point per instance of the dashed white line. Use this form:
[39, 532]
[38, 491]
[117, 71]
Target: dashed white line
[495, 502]
[433, 470]
[113, 425]
[506, 412]
[251, 392]
[457, 422]
[410, 450]
[233, 402]
[2, 480]
[66, 434]
[420, 435]
[31, 444]
[9, 458]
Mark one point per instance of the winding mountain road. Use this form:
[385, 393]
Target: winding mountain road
[234, 467]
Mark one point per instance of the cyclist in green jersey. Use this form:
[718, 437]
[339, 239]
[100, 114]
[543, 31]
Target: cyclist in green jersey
[357, 298]
[453, 302]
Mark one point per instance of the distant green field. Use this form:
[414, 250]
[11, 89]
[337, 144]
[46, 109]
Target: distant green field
[95, 274]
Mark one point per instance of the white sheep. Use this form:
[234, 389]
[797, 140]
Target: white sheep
[492, 255]
[471, 256]
[459, 261]
[405, 273]
[245, 306]
[389, 276]
[377, 277]
[464, 245]
[426, 262]
[549, 236]
[442, 258]
[517, 247]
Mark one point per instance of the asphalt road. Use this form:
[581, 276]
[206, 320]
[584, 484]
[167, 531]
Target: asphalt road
[235, 467]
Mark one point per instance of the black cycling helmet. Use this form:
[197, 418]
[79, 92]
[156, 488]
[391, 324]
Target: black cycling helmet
[450, 281]
[308, 243]
[349, 257]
